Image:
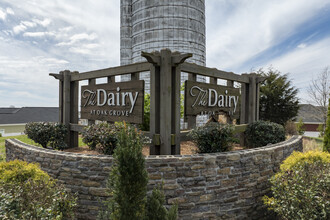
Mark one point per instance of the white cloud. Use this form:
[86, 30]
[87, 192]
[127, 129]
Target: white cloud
[304, 63]
[3, 14]
[38, 34]
[19, 28]
[302, 46]
[241, 30]
[45, 22]
[78, 38]
[24, 25]
[10, 11]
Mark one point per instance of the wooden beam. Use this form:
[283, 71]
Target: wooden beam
[113, 71]
[77, 127]
[213, 72]
[57, 76]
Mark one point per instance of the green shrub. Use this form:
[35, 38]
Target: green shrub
[300, 127]
[26, 192]
[301, 189]
[102, 137]
[261, 133]
[290, 128]
[145, 126]
[326, 141]
[46, 133]
[321, 129]
[128, 179]
[155, 209]
[213, 137]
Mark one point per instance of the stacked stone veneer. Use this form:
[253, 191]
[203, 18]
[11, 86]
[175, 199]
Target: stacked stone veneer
[207, 186]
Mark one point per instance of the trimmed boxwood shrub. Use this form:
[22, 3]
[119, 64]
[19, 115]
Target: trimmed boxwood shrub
[27, 192]
[101, 137]
[213, 137]
[47, 134]
[301, 189]
[262, 133]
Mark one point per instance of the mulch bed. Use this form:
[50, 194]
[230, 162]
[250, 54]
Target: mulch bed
[187, 148]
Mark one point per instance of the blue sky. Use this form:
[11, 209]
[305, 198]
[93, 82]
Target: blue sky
[40, 37]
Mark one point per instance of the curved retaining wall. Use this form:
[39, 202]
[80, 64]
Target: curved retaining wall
[206, 186]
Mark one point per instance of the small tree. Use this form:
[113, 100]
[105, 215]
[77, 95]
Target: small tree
[326, 142]
[300, 127]
[128, 182]
[318, 91]
[278, 98]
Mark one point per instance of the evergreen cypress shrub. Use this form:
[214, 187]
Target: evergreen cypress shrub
[326, 141]
[213, 137]
[155, 209]
[301, 189]
[261, 133]
[128, 181]
[27, 192]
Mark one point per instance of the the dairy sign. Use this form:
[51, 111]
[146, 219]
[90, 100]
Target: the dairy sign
[113, 102]
[210, 99]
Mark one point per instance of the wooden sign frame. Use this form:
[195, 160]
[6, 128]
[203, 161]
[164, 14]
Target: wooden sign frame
[211, 99]
[122, 101]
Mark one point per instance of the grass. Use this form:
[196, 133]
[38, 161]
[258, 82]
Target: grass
[312, 143]
[24, 139]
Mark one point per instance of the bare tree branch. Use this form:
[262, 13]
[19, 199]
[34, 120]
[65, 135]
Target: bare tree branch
[319, 90]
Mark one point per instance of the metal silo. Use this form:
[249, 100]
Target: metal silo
[148, 25]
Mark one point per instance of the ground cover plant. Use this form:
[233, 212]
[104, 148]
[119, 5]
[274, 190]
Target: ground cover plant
[27, 192]
[127, 183]
[301, 189]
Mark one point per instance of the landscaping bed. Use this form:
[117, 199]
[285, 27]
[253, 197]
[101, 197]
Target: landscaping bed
[187, 148]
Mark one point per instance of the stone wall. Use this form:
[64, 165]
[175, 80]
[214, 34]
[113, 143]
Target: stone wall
[206, 186]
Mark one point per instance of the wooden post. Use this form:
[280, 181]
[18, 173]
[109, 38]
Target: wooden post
[230, 84]
[74, 96]
[252, 98]
[191, 120]
[135, 76]
[66, 102]
[165, 100]
[258, 101]
[154, 109]
[60, 98]
[92, 82]
[213, 80]
[176, 109]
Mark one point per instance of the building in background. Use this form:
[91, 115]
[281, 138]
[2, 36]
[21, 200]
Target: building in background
[13, 120]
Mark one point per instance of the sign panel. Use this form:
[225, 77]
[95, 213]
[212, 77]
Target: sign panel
[210, 99]
[121, 101]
